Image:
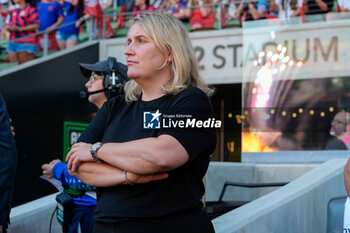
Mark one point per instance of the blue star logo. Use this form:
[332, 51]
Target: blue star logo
[151, 120]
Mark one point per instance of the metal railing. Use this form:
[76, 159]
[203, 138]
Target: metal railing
[249, 185]
[95, 33]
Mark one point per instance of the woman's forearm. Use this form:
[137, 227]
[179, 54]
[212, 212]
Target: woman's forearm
[99, 174]
[322, 5]
[30, 27]
[255, 14]
[296, 12]
[105, 175]
[57, 23]
[145, 156]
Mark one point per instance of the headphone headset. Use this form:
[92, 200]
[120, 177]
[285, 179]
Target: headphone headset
[113, 82]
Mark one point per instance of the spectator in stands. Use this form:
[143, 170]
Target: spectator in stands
[313, 7]
[127, 6]
[8, 162]
[228, 11]
[23, 21]
[120, 19]
[131, 5]
[94, 9]
[340, 132]
[107, 5]
[159, 4]
[344, 5]
[6, 7]
[252, 10]
[201, 16]
[178, 9]
[50, 16]
[288, 9]
[142, 5]
[3, 8]
[68, 36]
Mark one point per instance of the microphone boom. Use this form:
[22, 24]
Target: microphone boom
[85, 94]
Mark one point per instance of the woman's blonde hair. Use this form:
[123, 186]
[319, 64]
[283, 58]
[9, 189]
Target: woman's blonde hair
[171, 37]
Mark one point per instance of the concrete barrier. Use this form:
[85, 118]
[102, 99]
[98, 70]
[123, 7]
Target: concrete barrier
[300, 206]
[219, 172]
[34, 216]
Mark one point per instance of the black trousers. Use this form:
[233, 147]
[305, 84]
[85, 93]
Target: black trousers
[192, 221]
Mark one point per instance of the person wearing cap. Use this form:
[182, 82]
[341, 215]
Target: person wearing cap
[94, 83]
[100, 76]
[84, 203]
[149, 175]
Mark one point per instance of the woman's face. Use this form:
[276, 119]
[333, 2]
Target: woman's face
[142, 55]
[93, 84]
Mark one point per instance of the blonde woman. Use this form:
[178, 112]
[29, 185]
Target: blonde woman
[149, 169]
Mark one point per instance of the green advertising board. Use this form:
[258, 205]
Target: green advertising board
[71, 133]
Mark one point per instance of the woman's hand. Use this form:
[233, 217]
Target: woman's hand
[80, 152]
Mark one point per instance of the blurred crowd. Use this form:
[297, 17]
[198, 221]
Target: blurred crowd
[21, 19]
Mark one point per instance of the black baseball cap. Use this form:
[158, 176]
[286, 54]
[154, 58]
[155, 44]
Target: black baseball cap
[105, 68]
[100, 67]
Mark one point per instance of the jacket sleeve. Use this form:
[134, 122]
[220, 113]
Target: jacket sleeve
[60, 172]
